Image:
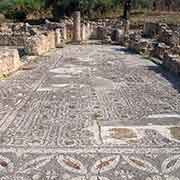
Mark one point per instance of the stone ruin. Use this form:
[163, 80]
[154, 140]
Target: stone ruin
[156, 40]
[34, 40]
[9, 61]
[160, 41]
[19, 39]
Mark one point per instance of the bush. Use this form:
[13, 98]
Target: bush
[19, 9]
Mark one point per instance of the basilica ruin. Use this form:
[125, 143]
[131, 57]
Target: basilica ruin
[90, 99]
[22, 39]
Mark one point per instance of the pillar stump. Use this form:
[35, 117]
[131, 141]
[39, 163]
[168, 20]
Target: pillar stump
[126, 25]
[77, 27]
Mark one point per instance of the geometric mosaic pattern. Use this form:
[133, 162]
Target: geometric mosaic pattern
[90, 112]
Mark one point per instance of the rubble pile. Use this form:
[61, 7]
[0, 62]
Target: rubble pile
[36, 40]
[160, 41]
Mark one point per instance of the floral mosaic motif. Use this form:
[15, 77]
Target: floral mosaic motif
[67, 162]
[165, 177]
[71, 164]
[141, 164]
[105, 164]
[15, 177]
[168, 166]
[35, 163]
[75, 169]
[6, 165]
[100, 166]
[171, 164]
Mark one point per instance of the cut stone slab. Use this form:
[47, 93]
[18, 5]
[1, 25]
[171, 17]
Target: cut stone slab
[9, 60]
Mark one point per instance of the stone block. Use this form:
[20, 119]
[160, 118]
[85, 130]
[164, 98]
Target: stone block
[107, 40]
[172, 62]
[9, 39]
[176, 50]
[168, 36]
[159, 50]
[9, 60]
[40, 44]
[101, 33]
[150, 29]
[117, 35]
[59, 39]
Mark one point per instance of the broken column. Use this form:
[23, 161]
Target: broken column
[126, 25]
[83, 33]
[77, 26]
[65, 32]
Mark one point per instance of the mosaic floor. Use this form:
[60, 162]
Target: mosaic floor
[90, 113]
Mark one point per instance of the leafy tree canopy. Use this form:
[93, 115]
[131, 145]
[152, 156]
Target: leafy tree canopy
[58, 8]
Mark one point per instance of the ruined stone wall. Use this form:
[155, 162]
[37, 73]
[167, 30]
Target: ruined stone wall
[8, 39]
[35, 39]
[159, 41]
[13, 34]
[9, 61]
[39, 39]
[41, 43]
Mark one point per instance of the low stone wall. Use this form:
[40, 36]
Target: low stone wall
[168, 36]
[38, 38]
[9, 39]
[41, 43]
[172, 62]
[159, 50]
[9, 61]
[164, 44]
[162, 32]
[13, 34]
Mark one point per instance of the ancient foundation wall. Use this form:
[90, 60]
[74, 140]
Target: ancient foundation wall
[164, 44]
[40, 44]
[8, 39]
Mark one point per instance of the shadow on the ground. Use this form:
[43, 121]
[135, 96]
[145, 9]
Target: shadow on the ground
[171, 77]
[124, 50]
